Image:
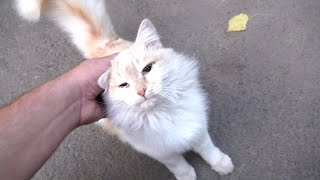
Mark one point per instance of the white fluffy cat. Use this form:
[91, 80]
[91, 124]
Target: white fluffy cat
[154, 99]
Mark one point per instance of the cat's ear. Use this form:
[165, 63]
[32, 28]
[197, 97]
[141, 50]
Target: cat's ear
[103, 80]
[148, 36]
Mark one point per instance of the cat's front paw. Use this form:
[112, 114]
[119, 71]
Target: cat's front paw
[188, 175]
[225, 165]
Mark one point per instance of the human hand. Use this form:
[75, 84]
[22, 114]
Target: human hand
[85, 76]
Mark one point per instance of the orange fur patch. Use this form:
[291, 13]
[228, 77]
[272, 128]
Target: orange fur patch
[110, 127]
[113, 46]
[96, 35]
[75, 10]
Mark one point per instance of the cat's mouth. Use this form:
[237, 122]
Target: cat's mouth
[146, 102]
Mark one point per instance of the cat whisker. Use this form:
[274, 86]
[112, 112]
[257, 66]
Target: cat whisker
[167, 97]
[110, 109]
[176, 91]
[115, 106]
[171, 88]
[119, 117]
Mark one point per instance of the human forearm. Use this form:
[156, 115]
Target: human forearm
[32, 127]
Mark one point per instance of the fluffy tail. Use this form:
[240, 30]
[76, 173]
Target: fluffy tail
[85, 21]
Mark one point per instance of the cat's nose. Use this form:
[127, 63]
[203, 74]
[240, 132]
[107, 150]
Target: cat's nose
[142, 91]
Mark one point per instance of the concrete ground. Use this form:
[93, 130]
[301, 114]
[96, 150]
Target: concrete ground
[264, 85]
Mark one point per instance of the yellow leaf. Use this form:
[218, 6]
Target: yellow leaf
[238, 23]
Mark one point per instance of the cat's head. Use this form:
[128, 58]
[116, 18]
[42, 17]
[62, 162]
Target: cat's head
[146, 73]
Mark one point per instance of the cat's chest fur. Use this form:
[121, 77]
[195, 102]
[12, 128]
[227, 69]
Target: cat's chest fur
[174, 129]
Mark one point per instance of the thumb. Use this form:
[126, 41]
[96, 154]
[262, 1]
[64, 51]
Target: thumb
[93, 112]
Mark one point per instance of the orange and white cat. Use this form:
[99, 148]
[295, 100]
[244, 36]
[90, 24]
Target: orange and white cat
[154, 99]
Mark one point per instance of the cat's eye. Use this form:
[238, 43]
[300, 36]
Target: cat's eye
[123, 85]
[147, 68]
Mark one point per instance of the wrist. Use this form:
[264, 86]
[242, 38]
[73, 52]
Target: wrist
[68, 89]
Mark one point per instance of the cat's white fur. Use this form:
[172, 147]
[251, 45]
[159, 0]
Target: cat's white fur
[30, 10]
[171, 117]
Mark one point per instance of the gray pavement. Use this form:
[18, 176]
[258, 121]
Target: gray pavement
[263, 85]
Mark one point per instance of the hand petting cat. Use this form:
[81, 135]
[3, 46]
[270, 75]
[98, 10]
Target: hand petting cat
[85, 78]
[34, 125]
